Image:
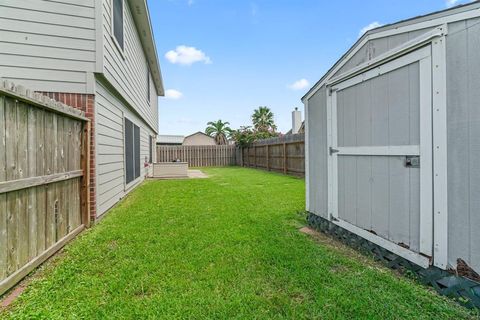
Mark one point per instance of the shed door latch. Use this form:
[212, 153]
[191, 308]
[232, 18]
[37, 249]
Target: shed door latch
[332, 150]
[412, 161]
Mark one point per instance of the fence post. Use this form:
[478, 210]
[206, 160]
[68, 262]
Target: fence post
[85, 166]
[285, 158]
[255, 155]
[268, 158]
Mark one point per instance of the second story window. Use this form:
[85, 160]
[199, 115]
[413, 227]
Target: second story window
[117, 21]
[149, 96]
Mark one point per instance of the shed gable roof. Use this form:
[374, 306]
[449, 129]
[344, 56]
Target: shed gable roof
[416, 23]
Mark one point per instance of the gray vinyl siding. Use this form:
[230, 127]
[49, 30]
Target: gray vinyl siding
[110, 112]
[127, 70]
[317, 153]
[48, 45]
[463, 128]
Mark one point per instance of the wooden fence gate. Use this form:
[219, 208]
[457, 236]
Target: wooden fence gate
[198, 156]
[43, 179]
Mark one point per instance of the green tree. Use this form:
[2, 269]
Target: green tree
[262, 119]
[243, 137]
[219, 130]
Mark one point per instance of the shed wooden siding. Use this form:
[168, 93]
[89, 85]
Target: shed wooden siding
[48, 45]
[318, 153]
[317, 109]
[128, 72]
[376, 47]
[110, 112]
[383, 111]
[463, 129]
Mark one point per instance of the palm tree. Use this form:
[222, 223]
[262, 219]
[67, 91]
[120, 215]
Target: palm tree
[262, 119]
[219, 130]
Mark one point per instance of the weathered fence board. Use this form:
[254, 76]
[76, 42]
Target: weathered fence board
[283, 154]
[43, 172]
[198, 156]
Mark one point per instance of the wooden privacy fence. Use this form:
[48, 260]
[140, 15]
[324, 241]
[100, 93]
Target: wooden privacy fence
[283, 154]
[43, 179]
[198, 156]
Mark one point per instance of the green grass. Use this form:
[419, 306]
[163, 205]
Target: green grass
[217, 248]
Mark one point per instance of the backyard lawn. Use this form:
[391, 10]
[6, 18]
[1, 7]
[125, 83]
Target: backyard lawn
[224, 247]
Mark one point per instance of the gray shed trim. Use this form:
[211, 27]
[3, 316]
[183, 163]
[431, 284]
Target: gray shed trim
[435, 19]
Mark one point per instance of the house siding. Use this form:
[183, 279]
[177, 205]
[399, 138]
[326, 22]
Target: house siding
[47, 45]
[110, 112]
[127, 71]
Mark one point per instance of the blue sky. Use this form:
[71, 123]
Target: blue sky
[221, 59]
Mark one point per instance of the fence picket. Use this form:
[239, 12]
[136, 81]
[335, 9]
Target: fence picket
[283, 154]
[3, 199]
[34, 145]
[198, 156]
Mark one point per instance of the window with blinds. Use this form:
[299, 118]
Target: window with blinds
[118, 22]
[132, 151]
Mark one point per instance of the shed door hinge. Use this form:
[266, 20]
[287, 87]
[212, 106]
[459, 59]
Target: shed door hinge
[331, 150]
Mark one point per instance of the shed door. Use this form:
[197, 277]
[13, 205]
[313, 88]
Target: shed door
[380, 160]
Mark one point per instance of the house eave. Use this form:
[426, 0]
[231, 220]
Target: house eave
[141, 17]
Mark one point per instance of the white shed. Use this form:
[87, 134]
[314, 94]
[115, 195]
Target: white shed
[393, 139]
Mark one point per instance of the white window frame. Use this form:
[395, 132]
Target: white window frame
[120, 48]
[424, 57]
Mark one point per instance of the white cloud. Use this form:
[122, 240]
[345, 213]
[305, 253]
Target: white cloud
[371, 26]
[299, 84]
[190, 2]
[173, 94]
[185, 55]
[452, 3]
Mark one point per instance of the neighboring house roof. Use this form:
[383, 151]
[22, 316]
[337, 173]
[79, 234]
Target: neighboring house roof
[170, 139]
[141, 16]
[178, 139]
[199, 139]
[300, 130]
[440, 15]
[198, 132]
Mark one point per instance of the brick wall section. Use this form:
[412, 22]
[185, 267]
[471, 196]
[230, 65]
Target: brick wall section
[86, 103]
